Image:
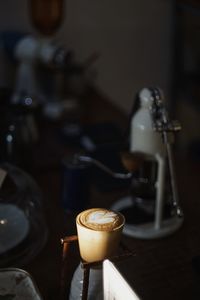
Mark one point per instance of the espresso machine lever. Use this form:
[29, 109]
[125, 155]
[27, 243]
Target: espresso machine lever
[167, 128]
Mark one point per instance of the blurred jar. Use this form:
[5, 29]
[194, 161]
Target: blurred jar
[46, 15]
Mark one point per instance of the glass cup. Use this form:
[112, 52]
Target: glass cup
[99, 232]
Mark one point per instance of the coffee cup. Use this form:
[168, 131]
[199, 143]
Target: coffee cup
[99, 232]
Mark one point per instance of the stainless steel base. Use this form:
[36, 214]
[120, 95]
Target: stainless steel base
[147, 230]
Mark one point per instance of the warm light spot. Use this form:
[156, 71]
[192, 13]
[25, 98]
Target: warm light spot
[3, 221]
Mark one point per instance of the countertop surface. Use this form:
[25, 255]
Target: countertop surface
[165, 268]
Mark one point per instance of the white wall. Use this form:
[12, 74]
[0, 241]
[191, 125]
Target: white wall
[133, 38]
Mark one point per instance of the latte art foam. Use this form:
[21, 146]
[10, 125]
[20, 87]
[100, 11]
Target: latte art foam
[100, 219]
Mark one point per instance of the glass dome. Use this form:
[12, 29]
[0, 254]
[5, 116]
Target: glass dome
[23, 230]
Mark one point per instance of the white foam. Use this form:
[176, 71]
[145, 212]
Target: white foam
[101, 217]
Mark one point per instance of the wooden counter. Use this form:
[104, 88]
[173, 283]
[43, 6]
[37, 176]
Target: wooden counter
[160, 269]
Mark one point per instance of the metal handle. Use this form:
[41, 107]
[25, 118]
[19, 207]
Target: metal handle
[162, 124]
[88, 159]
[173, 179]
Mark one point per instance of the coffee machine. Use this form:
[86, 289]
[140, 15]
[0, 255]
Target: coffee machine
[40, 57]
[31, 53]
[152, 208]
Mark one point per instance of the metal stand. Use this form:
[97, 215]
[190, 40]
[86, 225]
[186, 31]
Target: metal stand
[147, 230]
[66, 241]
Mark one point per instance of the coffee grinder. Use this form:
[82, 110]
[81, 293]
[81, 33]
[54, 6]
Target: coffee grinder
[152, 208]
